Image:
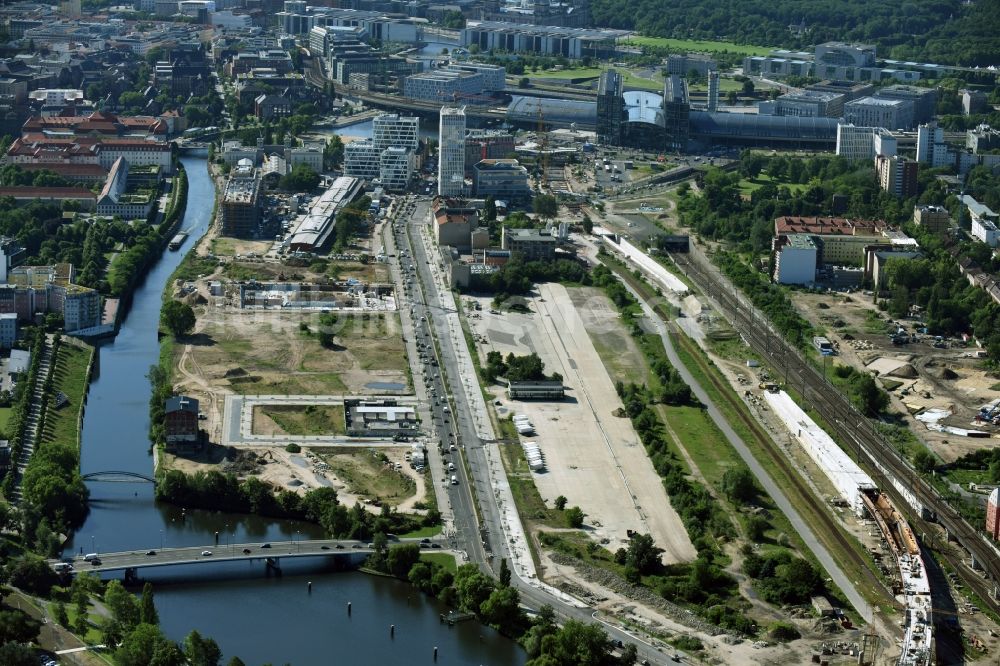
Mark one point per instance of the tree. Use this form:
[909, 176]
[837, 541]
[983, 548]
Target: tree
[62, 617]
[924, 461]
[524, 82]
[201, 651]
[122, 605]
[147, 609]
[16, 626]
[177, 317]
[575, 644]
[868, 397]
[545, 206]
[32, 574]
[748, 87]
[333, 153]
[146, 645]
[739, 486]
[502, 610]
[15, 654]
[401, 559]
[574, 517]
[472, 587]
[560, 503]
[504, 573]
[301, 179]
[643, 554]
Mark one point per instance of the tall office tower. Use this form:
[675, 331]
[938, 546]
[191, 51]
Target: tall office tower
[451, 151]
[610, 108]
[713, 91]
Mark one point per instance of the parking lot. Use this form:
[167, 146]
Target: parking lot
[593, 457]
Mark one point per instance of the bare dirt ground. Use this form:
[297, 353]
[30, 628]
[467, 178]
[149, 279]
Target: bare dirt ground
[300, 472]
[593, 458]
[920, 370]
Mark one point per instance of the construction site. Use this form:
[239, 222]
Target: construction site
[940, 387]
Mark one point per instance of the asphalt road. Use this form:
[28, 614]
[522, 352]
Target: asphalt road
[425, 296]
[225, 552]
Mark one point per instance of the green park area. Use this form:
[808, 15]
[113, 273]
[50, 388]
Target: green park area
[69, 386]
[630, 79]
[749, 185]
[696, 45]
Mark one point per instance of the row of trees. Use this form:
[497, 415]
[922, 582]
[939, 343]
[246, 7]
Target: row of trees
[518, 277]
[925, 30]
[498, 604]
[516, 368]
[224, 492]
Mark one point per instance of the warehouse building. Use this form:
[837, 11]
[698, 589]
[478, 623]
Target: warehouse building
[536, 390]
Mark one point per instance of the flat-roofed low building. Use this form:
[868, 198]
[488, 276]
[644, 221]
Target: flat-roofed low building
[529, 244]
[536, 390]
[501, 179]
[810, 104]
[932, 218]
[840, 241]
[380, 418]
[890, 113]
[454, 222]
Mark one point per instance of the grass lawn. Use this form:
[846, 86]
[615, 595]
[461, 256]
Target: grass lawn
[93, 635]
[578, 73]
[630, 79]
[749, 185]
[423, 532]
[5, 413]
[725, 85]
[365, 473]
[223, 246]
[304, 420]
[446, 560]
[69, 377]
[697, 45]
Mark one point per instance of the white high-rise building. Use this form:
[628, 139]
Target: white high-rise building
[864, 143]
[931, 148]
[451, 151]
[393, 130]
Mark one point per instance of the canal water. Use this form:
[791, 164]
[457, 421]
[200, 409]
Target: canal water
[250, 615]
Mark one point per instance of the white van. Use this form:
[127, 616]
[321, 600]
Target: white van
[454, 480]
[451, 467]
[89, 556]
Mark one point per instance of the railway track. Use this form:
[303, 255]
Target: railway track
[869, 447]
[828, 528]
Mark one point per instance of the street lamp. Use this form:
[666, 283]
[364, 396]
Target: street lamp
[161, 539]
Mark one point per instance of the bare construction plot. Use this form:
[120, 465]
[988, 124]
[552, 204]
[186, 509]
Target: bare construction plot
[594, 458]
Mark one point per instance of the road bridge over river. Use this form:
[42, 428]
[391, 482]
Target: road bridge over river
[228, 552]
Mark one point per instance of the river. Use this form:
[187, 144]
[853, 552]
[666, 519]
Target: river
[257, 618]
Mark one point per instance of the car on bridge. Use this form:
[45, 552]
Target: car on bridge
[151, 552]
[206, 553]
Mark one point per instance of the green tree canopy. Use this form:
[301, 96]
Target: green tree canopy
[177, 317]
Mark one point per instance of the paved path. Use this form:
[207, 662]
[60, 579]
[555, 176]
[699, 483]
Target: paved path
[767, 482]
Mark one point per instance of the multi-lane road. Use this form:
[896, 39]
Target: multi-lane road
[465, 422]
